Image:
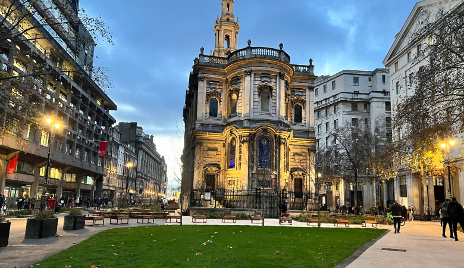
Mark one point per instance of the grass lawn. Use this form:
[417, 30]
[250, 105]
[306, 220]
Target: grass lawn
[214, 246]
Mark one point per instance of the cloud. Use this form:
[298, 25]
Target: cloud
[345, 19]
[126, 108]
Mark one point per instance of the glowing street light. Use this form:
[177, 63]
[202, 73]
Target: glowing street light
[57, 125]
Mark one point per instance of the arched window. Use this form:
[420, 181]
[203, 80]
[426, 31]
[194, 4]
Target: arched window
[227, 7]
[232, 150]
[227, 41]
[213, 107]
[233, 104]
[297, 118]
[264, 152]
[265, 101]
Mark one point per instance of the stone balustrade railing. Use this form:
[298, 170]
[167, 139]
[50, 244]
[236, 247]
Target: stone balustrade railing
[254, 52]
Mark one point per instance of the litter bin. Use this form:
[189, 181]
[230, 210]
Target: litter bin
[51, 203]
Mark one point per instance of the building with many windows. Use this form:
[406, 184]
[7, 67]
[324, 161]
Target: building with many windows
[249, 122]
[46, 73]
[404, 59]
[352, 98]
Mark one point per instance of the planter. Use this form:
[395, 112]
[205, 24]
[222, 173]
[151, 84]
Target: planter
[4, 233]
[73, 222]
[41, 228]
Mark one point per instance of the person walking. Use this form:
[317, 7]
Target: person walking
[455, 212]
[396, 214]
[33, 202]
[446, 218]
[2, 200]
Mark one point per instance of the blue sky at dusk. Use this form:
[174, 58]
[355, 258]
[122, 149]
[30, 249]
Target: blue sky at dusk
[156, 41]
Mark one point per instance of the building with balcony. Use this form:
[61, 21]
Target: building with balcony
[249, 121]
[47, 72]
[151, 168]
[352, 98]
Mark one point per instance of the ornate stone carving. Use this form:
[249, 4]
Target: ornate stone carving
[299, 100]
[282, 75]
[249, 42]
[281, 46]
[202, 49]
[201, 78]
[211, 169]
[248, 72]
[265, 87]
[234, 89]
[213, 94]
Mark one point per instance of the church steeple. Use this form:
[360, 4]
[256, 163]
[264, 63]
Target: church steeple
[226, 30]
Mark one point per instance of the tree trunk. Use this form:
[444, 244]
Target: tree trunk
[421, 194]
[355, 188]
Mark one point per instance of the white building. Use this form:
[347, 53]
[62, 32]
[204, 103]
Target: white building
[353, 97]
[402, 64]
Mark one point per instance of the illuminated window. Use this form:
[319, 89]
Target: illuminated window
[44, 141]
[232, 150]
[264, 152]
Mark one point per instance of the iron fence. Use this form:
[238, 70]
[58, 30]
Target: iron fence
[264, 200]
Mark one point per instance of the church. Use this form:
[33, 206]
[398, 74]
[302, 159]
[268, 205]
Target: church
[249, 125]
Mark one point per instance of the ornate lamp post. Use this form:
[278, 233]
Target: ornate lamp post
[446, 147]
[52, 125]
[128, 166]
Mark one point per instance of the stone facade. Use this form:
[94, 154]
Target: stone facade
[249, 119]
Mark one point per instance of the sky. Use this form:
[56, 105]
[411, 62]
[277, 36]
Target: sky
[156, 41]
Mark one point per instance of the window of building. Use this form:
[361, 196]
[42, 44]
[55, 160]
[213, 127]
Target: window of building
[58, 145]
[388, 106]
[336, 124]
[389, 137]
[25, 167]
[388, 122]
[369, 80]
[365, 107]
[411, 79]
[233, 104]
[355, 81]
[327, 141]
[403, 190]
[70, 177]
[430, 40]
[232, 150]
[319, 114]
[383, 79]
[366, 122]
[227, 41]
[327, 111]
[210, 182]
[327, 126]
[319, 129]
[409, 56]
[298, 114]
[354, 122]
[264, 152]
[325, 88]
[354, 107]
[45, 139]
[78, 153]
[397, 87]
[265, 101]
[333, 85]
[336, 108]
[213, 107]
[355, 94]
[316, 92]
[396, 67]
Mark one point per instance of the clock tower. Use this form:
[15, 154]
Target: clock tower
[226, 30]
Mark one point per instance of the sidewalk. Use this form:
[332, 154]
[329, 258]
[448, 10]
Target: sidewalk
[424, 247]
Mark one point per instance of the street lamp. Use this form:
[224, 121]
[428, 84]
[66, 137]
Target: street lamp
[446, 148]
[128, 165]
[52, 125]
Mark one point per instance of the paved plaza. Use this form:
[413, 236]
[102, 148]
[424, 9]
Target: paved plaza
[418, 245]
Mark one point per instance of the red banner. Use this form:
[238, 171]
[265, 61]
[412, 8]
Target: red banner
[102, 151]
[12, 165]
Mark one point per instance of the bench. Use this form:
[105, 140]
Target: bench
[370, 220]
[94, 219]
[284, 217]
[120, 218]
[342, 220]
[171, 217]
[228, 216]
[199, 217]
[146, 217]
[257, 217]
[313, 219]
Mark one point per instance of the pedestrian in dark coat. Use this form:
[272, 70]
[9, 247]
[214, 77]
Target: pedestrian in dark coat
[455, 212]
[446, 218]
[396, 214]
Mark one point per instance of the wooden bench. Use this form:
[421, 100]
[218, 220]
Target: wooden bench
[342, 220]
[228, 216]
[146, 217]
[284, 217]
[94, 219]
[120, 218]
[199, 217]
[171, 217]
[313, 219]
[370, 220]
[257, 217]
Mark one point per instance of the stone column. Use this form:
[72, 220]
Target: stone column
[3, 166]
[247, 95]
[309, 107]
[201, 99]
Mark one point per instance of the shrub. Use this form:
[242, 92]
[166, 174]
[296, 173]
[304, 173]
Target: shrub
[214, 215]
[44, 214]
[301, 218]
[3, 218]
[242, 216]
[384, 220]
[22, 212]
[75, 212]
